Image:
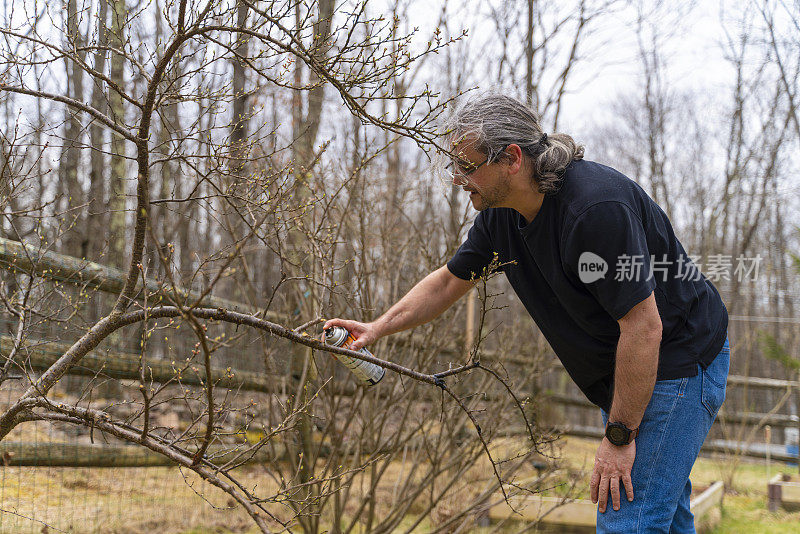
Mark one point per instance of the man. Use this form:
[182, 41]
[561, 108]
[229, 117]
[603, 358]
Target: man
[597, 265]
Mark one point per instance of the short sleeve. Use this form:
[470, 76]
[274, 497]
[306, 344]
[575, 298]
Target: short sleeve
[475, 253]
[606, 248]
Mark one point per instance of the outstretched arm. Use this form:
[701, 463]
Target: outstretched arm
[424, 302]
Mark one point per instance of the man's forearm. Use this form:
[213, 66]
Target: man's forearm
[424, 302]
[634, 375]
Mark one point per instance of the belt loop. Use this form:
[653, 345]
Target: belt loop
[682, 389]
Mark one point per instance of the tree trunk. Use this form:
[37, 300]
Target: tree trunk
[96, 216]
[531, 96]
[70, 190]
[303, 300]
[117, 193]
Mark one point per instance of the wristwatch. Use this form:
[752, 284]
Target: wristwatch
[619, 434]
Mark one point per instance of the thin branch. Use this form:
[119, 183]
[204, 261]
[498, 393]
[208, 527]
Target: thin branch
[74, 104]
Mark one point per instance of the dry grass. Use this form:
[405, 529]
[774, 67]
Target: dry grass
[146, 500]
[149, 500]
[115, 500]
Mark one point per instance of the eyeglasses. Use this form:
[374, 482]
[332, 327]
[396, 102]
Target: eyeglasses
[459, 169]
[462, 169]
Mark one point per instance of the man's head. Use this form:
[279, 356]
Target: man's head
[489, 179]
[498, 148]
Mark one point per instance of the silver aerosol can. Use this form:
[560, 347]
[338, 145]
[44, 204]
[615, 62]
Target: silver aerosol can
[366, 372]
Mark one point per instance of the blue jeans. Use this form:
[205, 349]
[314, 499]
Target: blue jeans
[673, 429]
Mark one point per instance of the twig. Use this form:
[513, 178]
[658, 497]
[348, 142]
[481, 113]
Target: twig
[102, 421]
[47, 525]
[308, 324]
[17, 341]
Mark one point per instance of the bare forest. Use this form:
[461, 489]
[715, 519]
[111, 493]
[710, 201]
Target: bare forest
[188, 188]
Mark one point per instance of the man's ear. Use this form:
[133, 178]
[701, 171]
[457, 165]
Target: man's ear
[513, 155]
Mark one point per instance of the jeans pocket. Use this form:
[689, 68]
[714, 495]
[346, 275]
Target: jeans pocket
[714, 379]
[673, 387]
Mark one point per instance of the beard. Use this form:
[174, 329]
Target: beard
[491, 197]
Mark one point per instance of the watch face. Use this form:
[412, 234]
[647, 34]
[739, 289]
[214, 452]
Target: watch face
[616, 435]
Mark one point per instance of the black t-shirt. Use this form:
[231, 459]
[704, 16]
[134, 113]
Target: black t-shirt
[600, 218]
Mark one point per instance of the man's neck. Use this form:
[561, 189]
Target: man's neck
[527, 203]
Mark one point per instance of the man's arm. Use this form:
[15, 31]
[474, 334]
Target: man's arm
[637, 362]
[634, 377]
[424, 302]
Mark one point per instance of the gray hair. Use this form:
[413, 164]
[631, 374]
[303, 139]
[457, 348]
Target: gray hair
[493, 121]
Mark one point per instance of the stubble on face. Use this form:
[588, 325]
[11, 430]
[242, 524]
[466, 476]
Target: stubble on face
[490, 196]
[487, 190]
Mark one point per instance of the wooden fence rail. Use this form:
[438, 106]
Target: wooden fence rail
[753, 450]
[16, 256]
[41, 355]
[19, 257]
[746, 418]
[17, 453]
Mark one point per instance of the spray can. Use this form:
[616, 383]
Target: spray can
[366, 372]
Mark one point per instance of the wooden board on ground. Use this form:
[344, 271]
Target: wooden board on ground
[551, 510]
[582, 513]
[783, 491]
[85, 455]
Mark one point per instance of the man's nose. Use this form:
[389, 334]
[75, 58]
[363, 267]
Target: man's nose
[459, 180]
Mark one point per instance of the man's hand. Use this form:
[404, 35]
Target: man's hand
[611, 464]
[365, 333]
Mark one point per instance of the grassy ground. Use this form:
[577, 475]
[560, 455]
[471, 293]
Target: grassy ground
[744, 507]
[128, 501]
[122, 501]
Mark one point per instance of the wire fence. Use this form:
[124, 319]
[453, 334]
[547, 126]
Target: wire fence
[73, 478]
[89, 482]
[63, 477]
[77, 479]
